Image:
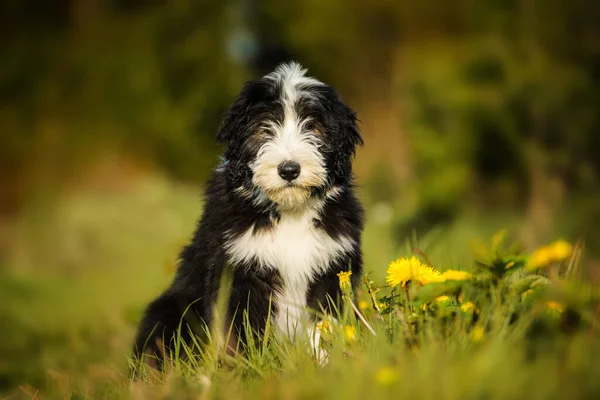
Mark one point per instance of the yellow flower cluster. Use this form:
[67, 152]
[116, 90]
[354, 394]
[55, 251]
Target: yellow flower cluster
[405, 270]
[324, 326]
[555, 252]
[442, 299]
[344, 278]
[468, 307]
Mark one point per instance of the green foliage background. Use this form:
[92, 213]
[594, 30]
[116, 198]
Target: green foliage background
[487, 104]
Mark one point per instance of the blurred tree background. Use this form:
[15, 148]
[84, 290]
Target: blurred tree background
[466, 106]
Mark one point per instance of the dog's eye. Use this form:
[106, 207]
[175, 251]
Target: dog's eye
[311, 126]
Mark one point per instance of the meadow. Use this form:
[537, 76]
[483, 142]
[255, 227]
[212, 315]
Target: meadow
[514, 323]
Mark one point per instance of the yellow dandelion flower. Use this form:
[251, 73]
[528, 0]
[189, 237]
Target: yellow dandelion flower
[363, 305]
[561, 250]
[539, 258]
[400, 271]
[350, 332]
[455, 275]
[477, 334]
[426, 274]
[554, 308]
[557, 251]
[344, 278]
[405, 269]
[382, 306]
[468, 307]
[386, 376]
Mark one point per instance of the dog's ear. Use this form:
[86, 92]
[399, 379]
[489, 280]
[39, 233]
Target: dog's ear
[343, 127]
[240, 115]
[232, 122]
[344, 122]
[352, 137]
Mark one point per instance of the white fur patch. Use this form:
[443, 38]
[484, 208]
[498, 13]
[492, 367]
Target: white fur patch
[294, 78]
[298, 251]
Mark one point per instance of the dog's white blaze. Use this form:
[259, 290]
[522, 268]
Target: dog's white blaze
[298, 251]
[293, 77]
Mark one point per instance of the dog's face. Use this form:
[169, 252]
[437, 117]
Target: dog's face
[288, 138]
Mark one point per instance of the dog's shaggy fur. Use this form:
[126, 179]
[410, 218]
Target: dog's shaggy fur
[280, 213]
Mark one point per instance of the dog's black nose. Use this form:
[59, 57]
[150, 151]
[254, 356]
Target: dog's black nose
[289, 170]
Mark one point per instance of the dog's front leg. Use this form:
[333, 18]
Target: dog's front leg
[251, 303]
[167, 322]
[325, 295]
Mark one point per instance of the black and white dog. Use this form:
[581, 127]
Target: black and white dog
[280, 213]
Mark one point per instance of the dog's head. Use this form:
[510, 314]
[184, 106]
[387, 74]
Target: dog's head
[288, 138]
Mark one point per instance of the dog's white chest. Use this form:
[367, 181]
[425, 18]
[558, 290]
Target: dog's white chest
[298, 251]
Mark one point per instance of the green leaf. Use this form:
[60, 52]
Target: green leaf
[428, 293]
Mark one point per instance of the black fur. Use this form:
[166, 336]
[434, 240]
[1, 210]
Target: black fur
[203, 261]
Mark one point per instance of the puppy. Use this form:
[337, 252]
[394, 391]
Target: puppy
[280, 217]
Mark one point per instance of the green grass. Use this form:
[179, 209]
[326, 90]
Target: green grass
[71, 295]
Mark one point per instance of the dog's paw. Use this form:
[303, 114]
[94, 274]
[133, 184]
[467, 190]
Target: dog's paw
[151, 360]
[319, 335]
